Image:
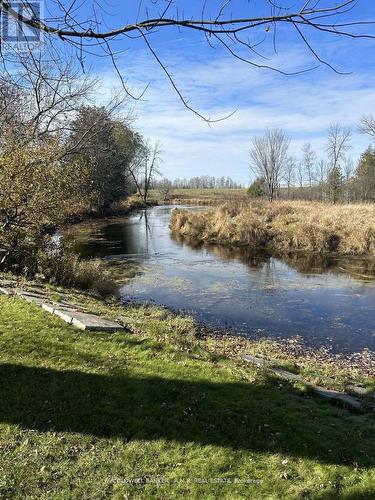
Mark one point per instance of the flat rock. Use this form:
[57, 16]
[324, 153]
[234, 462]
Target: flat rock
[257, 361]
[49, 307]
[95, 323]
[70, 313]
[32, 297]
[85, 321]
[351, 401]
[285, 375]
[357, 390]
[336, 395]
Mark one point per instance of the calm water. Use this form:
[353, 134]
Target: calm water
[327, 302]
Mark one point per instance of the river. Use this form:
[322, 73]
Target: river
[324, 302]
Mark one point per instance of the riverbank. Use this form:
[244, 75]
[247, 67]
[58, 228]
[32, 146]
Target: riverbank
[162, 410]
[283, 226]
[319, 365]
[119, 209]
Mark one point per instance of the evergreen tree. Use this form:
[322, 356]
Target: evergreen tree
[365, 175]
[334, 183]
[257, 188]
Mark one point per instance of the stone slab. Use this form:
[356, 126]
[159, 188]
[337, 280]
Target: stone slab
[351, 401]
[48, 307]
[356, 390]
[31, 297]
[69, 313]
[85, 321]
[257, 361]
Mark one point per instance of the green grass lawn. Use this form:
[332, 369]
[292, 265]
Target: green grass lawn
[130, 415]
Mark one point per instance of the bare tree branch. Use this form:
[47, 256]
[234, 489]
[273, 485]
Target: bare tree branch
[84, 31]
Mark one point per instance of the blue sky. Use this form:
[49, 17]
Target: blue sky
[216, 84]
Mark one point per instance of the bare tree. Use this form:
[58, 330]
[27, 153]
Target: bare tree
[348, 174]
[239, 32]
[164, 188]
[289, 173]
[268, 156]
[145, 167]
[42, 94]
[301, 175]
[322, 172]
[367, 126]
[309, 159]
[338, 144]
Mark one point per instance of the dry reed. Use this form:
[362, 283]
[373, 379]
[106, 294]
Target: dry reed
[284, 226]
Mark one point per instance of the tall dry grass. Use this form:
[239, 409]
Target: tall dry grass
[284, 226]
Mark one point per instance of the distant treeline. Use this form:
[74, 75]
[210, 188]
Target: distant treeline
[201, 182]
[335, 178]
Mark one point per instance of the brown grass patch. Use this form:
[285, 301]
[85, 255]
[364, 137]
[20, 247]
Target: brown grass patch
[283, 226]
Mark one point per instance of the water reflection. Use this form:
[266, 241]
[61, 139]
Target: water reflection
[325, 300]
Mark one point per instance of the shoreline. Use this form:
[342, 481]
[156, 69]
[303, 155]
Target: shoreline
[199, 341]
[122, 211]
[291, 349]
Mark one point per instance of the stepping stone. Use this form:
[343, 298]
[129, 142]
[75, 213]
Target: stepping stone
[71, 314]
[32, 297]
[351, 401]
[357, 390]
[49, 308]
[259, 362]
[85, 321]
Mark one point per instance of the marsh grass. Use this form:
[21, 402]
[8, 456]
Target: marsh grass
[284, 226]
[69, 270]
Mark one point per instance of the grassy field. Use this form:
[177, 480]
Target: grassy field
[201, 196]
[284, 226]
[157, 413]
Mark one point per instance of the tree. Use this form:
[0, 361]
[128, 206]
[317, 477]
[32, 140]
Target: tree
[334, 183]
[47, 161]
[300, 172]
[348, 171]
[367, 126]
[289, 173]
[164, 188]
[144, 167]
[268, 156]
[236, 31]
[322, 177]
[106, 146]
[365, 175]
[36, 188]
[338, 144]
[42, 93]
[257, 189]
[309, 159]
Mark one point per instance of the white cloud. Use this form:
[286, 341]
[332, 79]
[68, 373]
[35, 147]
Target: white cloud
[303, 105]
